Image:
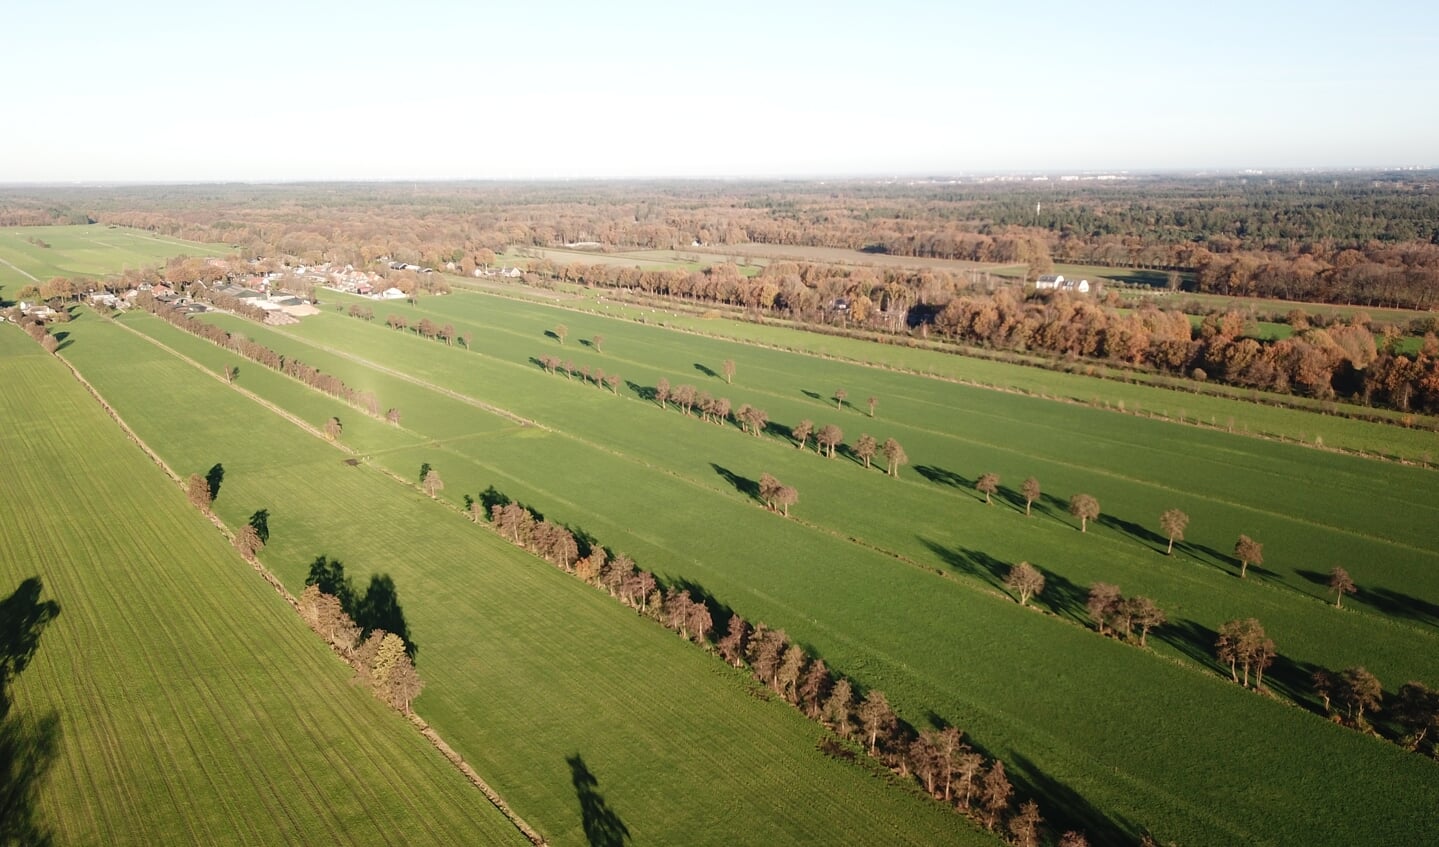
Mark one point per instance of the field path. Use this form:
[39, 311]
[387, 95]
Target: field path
[18, 270]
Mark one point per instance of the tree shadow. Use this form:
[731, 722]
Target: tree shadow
[971, 562]
[380, 609]
[814, 395]
[644, 392]
[585, 342]
[1064, 808]
[28, 745]
[260, 520]
[944, 477]
[552, 335]
[535, 360]
[1194, 641]
[1159, 543]
[1062, 596]
[1203, 552]
[780, 430]
[744, 485]
[603, 827]
[23, 616]
[213, 479]
[706, 370]
[1397, 604]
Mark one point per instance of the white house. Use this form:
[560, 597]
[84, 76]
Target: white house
[1057, 282]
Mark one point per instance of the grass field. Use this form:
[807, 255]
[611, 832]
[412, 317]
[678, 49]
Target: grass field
[194, 707]
[1135, 398]
[863, 585]
[833, 255]
[90, 251]
[526, 667]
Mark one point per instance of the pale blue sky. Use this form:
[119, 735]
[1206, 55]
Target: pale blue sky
[432, 90]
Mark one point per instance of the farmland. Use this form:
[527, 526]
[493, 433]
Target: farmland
[85, 251]
[532, 676]
[193, 706]
[906, 597]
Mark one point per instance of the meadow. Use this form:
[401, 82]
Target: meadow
[536, 678]
[896, 581]
[93, 250]
[193, 705]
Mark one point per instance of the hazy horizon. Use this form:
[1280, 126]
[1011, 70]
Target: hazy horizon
[172, 93]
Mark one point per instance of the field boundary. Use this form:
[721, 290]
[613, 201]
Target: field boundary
[453, 757]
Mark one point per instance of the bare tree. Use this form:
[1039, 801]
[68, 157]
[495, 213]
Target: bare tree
[1084, 507]
[1025, 580]
[231, 371]
[829, 437]
[729, 369]
[877, 718]
[1340, 584]
[1416, 710]
[392, 415]
[1248, 551]
[894, 455]
[839, 396]
[987, 484]
[599, 342]
[732, 646]
[1024, 827]
[1173, 522]
[662, 392]
[432, 482]
[1030, 490]
[1360, 692]
[1103, 600]
[802, 432]
[248, 542]
[839, 708]
[333, 428]
[785, 497]
[872, 401]
[1145, 614]
[866, 447]
[994, 793]
[560, 332]
[1244, 644]
[198, 490]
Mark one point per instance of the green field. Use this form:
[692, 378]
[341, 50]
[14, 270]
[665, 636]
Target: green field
[85, 251]
[526, 666]
[905, 596]
[194, 707]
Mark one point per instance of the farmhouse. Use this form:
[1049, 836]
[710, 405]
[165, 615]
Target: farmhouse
[1057, 282]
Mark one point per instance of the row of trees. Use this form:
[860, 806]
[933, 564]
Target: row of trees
[1351, 694]
[949, 770]
[597, 376]
[381, 659]
[424, 327]
[366, 401]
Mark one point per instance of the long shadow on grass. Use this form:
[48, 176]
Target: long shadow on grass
[1144, 535]
[644, 392]
[603, 827]
[742, 484]
[1400, 605]
[28, 744]
[1064, 809]
[945, 477]
[706, 370]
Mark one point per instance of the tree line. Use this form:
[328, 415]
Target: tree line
[949, 770]
[366, 401]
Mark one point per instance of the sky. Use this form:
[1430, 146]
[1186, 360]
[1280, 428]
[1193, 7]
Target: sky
[426, 90]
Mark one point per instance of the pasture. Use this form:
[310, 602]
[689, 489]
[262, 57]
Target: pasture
[537, 679]
[896, 581]
[90, 251]
[193, 705]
